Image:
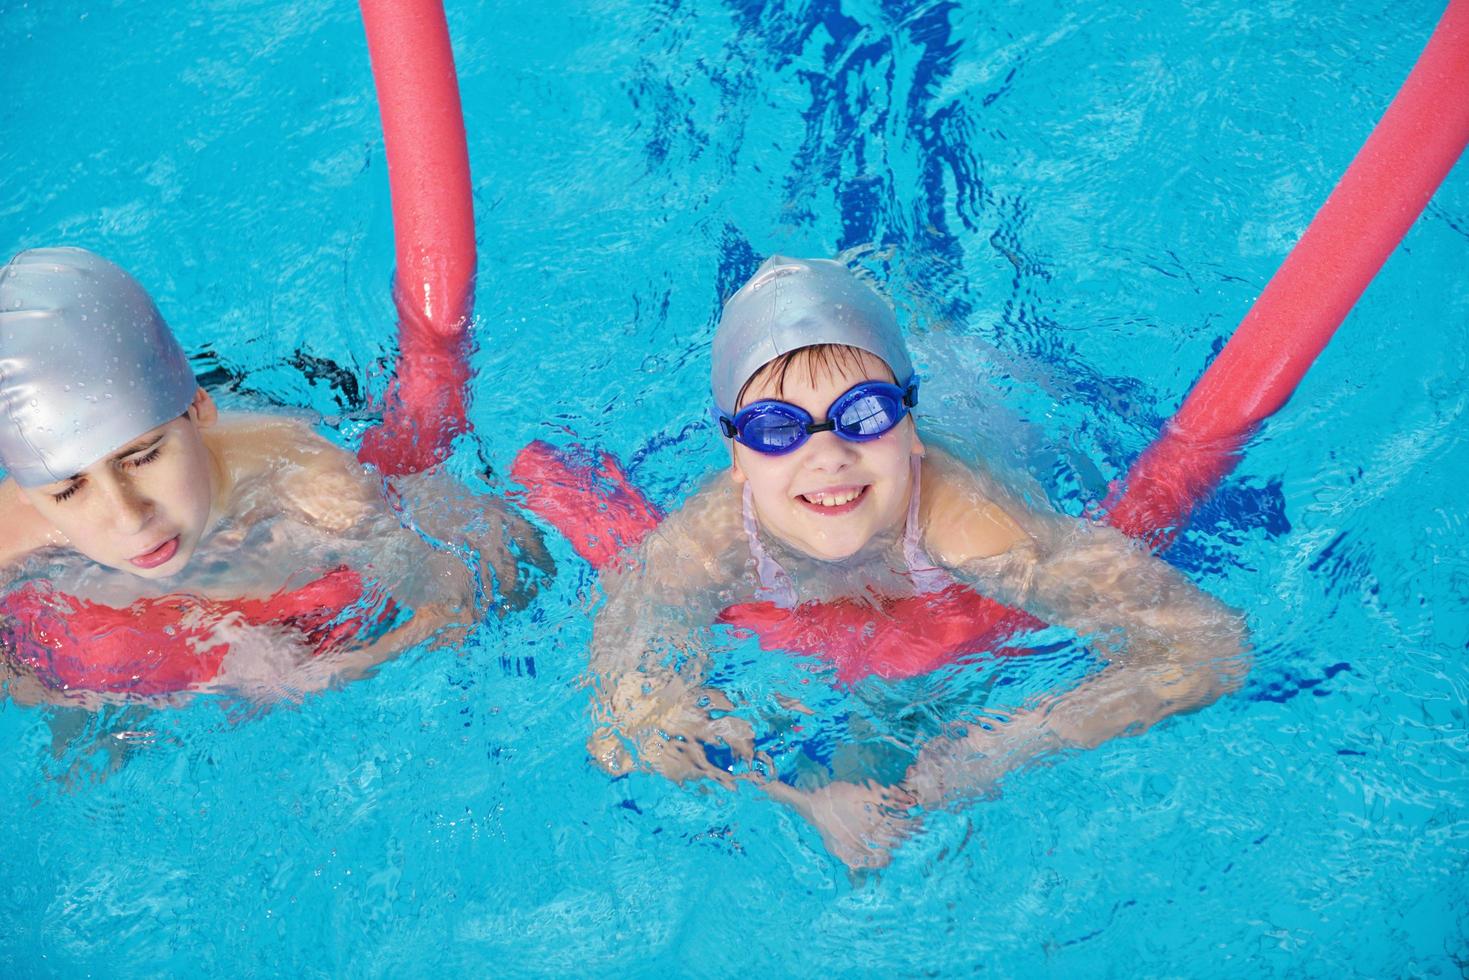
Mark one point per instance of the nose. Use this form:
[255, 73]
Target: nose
[129, 507]
[829, 453]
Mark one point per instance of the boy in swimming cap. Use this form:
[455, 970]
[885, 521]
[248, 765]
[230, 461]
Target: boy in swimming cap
[839, 533]
[259, 531]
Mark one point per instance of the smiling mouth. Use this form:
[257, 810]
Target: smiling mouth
[159, 555]
[833, 502]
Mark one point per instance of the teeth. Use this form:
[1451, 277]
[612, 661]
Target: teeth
[834, 499]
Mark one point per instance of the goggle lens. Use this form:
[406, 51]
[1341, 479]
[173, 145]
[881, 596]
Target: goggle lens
[772, 432]
[870, 415]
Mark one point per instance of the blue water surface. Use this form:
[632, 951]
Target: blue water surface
[1073, 205]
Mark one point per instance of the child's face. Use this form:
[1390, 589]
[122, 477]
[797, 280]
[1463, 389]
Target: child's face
[143, 508]
[829, 497]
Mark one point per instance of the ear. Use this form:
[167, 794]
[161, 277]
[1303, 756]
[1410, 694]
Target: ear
[736, 473]
[918, 447]
[202, 409]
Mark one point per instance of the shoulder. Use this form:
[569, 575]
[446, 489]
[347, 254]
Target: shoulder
[321, 482]
[253, 441]
[692, 544]
[708, 519]
[715, 508]
[965, 513]
[26, 531]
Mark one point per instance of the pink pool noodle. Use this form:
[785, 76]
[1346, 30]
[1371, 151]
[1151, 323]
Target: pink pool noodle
[1388, 184]
[433, 223]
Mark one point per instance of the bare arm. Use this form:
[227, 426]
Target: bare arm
[649, 706]
[1170, 647]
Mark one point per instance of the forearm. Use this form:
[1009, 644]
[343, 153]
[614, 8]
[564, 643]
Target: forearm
[1119, 701]
[26, 690]
[650, 707]
[973, 764]
[1097, 582]
[1133, 609]
[438, 592]
[447, 623]
[657, 606]
[648, 660]
[1169, 648]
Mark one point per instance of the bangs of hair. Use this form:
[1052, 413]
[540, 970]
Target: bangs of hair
[816, 360]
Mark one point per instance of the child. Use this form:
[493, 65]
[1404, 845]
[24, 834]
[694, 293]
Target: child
[249, 544]
[833, 503]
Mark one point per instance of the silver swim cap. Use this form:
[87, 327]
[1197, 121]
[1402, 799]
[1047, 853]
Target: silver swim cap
[86, 364]
[793, 303]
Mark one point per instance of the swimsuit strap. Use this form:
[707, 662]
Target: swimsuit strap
[927, 577]
[776, 586]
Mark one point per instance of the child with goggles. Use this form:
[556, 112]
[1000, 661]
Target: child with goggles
[833, 502]
[153, 545]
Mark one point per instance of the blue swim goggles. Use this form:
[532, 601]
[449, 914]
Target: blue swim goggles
[862, 413]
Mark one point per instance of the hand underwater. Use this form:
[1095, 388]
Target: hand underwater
[511, 549]
[666, 730]
[860, 823]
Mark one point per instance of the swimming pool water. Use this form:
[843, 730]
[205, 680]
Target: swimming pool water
[1072, 206]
